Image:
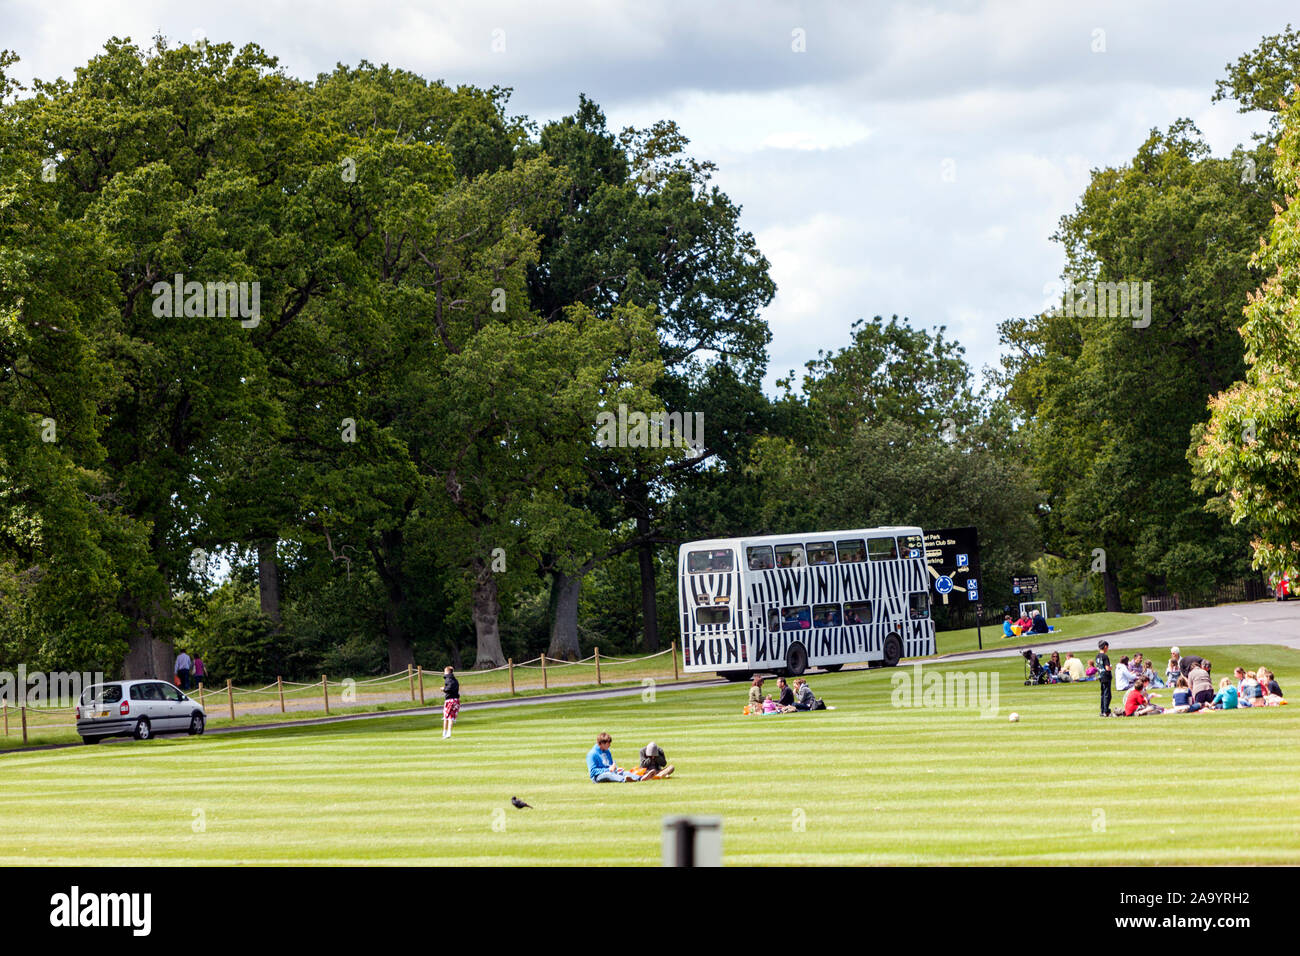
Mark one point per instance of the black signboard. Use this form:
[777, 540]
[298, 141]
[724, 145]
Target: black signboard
[952, 556]
[1026, 584]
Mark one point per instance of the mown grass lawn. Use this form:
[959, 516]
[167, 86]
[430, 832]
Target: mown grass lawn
[1067, 628]
[868, 782]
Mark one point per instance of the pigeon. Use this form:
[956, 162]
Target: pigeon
[519, 804]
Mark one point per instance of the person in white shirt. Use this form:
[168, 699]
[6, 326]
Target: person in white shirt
[183, 665]
[1123, 676]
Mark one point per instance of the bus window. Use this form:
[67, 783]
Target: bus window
[821, 552]
[858, 612]
[790, 556]
[920, 606]
[795, 618]
[774, 620]
[852, 551]
[882, 549]
[826, 615]
[760, 558]
[713, 615]
[911, 546]
[698, 562]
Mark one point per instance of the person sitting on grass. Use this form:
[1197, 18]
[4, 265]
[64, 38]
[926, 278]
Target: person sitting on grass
[1272, 690]
[770, 706]
[1039, 625]
[785, 696]
[602, 768]
[654, 763]
[1249, 692]
[1006, 627]
[1183, 703]
[1226, 698]
[1124, 676]
[1024, 623]
[1198, 678]
[1090, 672]
[1136, 703]
[1073, 668]
[1149, 672]
[804, 699]
[1173, 672]
[756, 695]
[1054, 665]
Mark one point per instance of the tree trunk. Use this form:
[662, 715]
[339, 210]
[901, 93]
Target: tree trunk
[146, 656]
[564, 617]
[268, 580]
[400, 653]
[1110, 584]
[649, 595]
[487, 618]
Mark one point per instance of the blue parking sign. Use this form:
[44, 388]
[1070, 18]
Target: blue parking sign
[963, 561]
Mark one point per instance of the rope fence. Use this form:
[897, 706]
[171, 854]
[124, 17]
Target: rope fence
[414, 684]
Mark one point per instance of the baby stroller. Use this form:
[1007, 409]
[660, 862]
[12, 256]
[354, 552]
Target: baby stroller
[1035, 672]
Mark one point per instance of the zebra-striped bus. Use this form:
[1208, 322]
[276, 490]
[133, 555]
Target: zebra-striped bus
[785, 602]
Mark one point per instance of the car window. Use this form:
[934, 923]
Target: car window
[108, 693]
[170, 693]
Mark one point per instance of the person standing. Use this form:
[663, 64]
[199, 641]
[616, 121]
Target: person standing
[451, 700]
[200, 669]
[1102, 661]
[183, 665]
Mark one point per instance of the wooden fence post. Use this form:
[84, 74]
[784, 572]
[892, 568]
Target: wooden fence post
[511, 662]
[201, 695]
[325, 691]
[420, 670]
[230, 698]
[598, 665]
[279, 683]
[410, 679]
[674, 660]
[22, 712]
[544, 685]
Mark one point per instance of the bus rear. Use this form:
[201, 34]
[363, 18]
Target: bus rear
[710, 607]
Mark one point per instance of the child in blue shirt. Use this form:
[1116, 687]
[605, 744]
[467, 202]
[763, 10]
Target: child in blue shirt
[1226, 698]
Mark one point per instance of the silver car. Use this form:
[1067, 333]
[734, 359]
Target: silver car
[136, 708]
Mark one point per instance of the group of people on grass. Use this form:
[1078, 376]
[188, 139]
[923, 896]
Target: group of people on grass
[602, 768]
[787, 701]
[1193, 687]
[1037, 624]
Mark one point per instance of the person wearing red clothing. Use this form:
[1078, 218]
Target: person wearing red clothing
[1138, 704]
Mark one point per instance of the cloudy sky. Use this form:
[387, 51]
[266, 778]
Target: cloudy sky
[909, 158]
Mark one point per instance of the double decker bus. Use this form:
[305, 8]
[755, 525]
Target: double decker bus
[786, 602]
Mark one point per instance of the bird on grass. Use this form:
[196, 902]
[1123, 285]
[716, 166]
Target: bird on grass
[519, 804]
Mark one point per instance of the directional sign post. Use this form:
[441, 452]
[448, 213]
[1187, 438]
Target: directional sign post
[952, 556]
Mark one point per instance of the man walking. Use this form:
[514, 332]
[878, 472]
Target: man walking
[183, 665]
[451, 701]
[1103, 676]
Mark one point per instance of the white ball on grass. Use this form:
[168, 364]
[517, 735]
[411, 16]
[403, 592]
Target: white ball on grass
[1015, 718]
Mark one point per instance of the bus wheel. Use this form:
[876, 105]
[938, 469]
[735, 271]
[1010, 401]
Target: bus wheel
[796, 660]
[893, 650]
[832, 668]
[736, 676]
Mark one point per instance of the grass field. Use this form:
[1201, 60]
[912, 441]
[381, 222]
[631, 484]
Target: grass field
[868, 782]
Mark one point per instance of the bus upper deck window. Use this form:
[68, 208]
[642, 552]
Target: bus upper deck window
[882, 549]
[790, 556]
[699, 562]
[821, 552]
[920, 606]
[760, 558]
[852, 551]
[911, 546]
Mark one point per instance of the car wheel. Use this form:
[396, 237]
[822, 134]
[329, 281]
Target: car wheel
[832, 668]
[196, 725]
[142, 729]
[796, 660]
[90, 740]
[893, 650]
